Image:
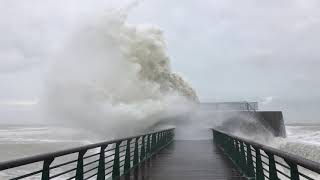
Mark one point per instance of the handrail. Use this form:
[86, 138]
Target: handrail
[249, 107]
[144, 146]
[232, 106]
[243, 152]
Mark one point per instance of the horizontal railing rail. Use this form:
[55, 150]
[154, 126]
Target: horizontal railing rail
[230, 106]
[249, 106]
[100, 161]
[257, 161]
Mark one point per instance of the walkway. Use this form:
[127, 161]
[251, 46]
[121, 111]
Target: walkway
[187, 160]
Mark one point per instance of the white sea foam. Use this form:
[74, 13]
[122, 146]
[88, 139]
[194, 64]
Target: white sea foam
[303, 141]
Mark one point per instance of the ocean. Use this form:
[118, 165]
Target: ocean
[302, 140]
[18, 141]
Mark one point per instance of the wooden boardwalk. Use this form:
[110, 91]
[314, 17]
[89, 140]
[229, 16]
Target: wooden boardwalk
[187, 160]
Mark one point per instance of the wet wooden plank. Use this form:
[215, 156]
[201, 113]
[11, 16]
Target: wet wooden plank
[187, 160]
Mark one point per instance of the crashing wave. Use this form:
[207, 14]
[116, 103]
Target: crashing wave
[113, 74]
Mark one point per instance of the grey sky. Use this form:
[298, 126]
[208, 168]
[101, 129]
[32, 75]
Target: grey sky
[230, 50]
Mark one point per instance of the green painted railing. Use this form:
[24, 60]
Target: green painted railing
[106, 160]
[257, 161]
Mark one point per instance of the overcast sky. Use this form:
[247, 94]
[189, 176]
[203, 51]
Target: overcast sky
[230, 50]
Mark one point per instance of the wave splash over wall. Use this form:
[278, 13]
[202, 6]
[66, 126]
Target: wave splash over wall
[114, 78]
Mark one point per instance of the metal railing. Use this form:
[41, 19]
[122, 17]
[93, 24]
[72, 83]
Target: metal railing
[249, 107]
[229, 106]
[257, 161]
[106, 160]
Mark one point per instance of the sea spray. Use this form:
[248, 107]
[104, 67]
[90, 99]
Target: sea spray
[240, 123]
[114, 78]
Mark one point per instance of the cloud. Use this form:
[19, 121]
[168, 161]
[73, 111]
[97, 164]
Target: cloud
[245, 50]
[31, 32]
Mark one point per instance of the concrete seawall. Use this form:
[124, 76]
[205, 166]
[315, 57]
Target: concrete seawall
[196, 125]
[274, 120]
[250, 121]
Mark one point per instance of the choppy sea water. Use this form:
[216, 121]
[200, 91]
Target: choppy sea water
[302, 140]
[22, 141]
[29, 140]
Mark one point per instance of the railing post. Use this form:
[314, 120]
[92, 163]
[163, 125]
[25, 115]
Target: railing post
[161, 139]
[153, 143]
[158, 142]
[148, 146]
[224, 141]
[214, 136]
[294, 172]
[101, 167]
[46, 169]
[164, 137]
[167, 134]
[143, 151]
[250, 166]
[272, 166]
[243, 156]
[237, 153]
[231, 146]
[136, 152]
[259, 167]
[79, 172]
[173, 134]
[234, 150]
[116, 162]
[127, 162]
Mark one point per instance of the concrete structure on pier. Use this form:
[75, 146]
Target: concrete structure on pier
[237, 111]
[227, 116]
